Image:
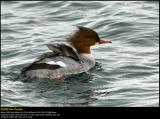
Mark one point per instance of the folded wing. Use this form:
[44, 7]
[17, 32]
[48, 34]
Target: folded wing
[57, 50]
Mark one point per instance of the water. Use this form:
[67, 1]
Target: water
[126, 72]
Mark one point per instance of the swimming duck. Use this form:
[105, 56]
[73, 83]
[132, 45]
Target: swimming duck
[72, 57]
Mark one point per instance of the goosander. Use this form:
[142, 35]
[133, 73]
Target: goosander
[73, 57]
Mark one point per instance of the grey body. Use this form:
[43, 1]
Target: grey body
[62, 61]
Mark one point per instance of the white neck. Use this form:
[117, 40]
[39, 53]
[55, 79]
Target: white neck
[88, 59]
[86, 55]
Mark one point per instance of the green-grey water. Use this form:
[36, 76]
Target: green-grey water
[126, 72]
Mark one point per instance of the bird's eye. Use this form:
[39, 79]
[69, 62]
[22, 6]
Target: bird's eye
[97, 38]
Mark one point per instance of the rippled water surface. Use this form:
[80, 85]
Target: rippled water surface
[126, 72]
